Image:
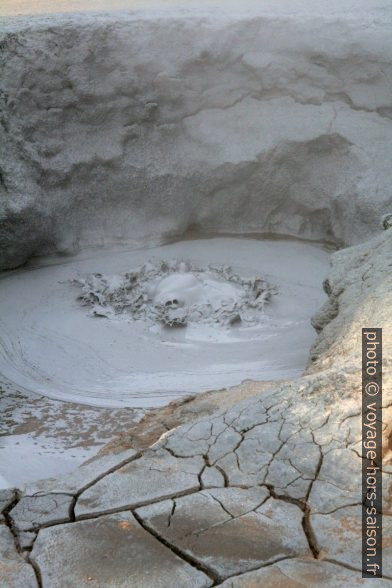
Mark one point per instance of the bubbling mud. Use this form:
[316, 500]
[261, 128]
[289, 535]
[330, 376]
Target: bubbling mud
[176, 293]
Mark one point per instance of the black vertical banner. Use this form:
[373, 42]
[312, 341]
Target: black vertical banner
[372, 453]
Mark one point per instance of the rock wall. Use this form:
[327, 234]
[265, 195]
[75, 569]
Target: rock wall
[118, 128]
[359, 288]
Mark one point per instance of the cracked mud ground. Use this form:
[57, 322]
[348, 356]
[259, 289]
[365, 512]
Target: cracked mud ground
[263, 492]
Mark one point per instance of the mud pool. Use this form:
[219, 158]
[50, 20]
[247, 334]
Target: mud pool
[252, 322]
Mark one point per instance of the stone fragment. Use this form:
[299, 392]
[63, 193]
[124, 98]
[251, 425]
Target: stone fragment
[15, 572]
[302, 573]
[155, 476]
[33, 512]
[112, 551]
[229, 531]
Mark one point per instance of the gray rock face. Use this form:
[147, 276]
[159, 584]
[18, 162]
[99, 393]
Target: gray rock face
[33, 512]
[15, 572]
[113, 551]
[360, 281]
[122, 128]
